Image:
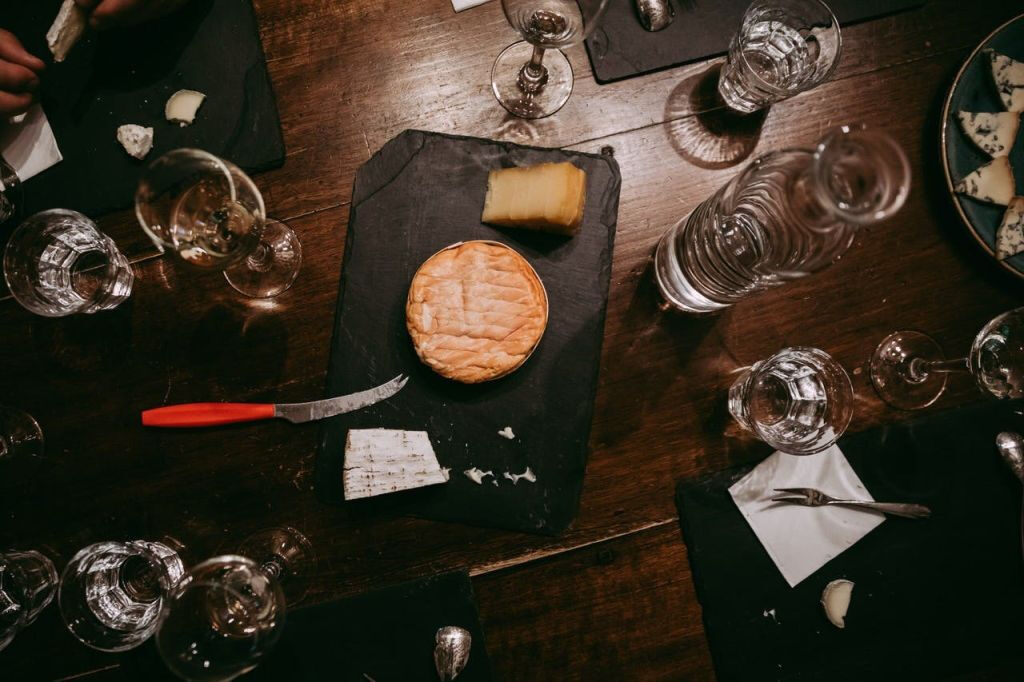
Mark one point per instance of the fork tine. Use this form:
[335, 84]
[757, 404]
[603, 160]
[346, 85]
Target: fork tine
[787, 498]
[793, 491]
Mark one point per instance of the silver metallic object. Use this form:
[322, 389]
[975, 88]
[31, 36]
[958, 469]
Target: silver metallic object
[452, 651]
[298, 413]
[655, 14]
[1011, 447]
[809, 497]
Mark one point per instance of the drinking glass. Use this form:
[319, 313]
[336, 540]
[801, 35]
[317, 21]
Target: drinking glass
[211, 214]
[533, 78]
[20, 435]
[111, 593]
[799, 400]
[58, 263]
[10, 192]
[228, 612]
[27, 584]
[783, 48]
[909, 369]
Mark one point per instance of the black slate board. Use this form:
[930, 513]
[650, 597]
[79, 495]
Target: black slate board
[933, 598]
[126, 76]
[420, 193]
[620, 47]
[387, 634]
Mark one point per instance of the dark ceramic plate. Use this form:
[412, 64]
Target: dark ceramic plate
[974, 90]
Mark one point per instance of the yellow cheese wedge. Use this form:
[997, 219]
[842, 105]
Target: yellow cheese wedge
[547, 197]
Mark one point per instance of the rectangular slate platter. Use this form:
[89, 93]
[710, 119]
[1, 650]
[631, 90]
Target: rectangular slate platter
[932, 599]
[387, 634]
[420, 193]
[621, 48]
[126, 76]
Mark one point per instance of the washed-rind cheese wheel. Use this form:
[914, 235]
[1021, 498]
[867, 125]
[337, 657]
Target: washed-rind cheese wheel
[476, 311]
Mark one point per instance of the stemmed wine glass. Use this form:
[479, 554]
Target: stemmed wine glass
[28, 581]
[111, 593]
[228, 612]
[909, 370]
[211, 214]
[526, 83]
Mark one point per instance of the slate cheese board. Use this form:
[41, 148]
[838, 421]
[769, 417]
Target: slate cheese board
[932, 599]
[126, 76]
[621, 48]
[420, 193]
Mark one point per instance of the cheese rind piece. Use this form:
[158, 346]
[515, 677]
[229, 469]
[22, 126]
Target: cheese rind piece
[993, 182]
[182, 106]
[135, 139]
[836, 601]
[994, 134]
[381, 461]
[547, 197]
[67, 29]
[1010, 235]
[1008, 75]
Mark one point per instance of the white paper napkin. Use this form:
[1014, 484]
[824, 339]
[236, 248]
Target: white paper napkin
[29, 147]
[460, 5]
[800, 540]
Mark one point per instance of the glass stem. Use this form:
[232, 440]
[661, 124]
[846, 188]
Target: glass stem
[920, 369]
[533, 76]
[275, 568]
[262, 258]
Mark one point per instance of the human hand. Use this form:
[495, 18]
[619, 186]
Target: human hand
[19, 76]
[113, 13]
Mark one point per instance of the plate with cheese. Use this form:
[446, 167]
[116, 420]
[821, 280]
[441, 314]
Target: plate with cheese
[982, 149]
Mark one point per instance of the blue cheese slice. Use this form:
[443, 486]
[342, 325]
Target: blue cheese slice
[994, 134]
[1010, 235]
[1008, 75]
[381, 461]
[992, 183]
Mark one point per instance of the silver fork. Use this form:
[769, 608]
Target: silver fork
[810, 497]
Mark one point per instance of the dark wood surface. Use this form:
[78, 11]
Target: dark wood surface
[612, 598]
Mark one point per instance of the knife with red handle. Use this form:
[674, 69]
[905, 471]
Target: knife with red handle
[215, 414]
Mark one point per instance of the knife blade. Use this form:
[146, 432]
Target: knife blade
[215, 414]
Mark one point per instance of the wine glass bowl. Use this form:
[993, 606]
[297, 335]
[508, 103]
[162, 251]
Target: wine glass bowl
[997, 356]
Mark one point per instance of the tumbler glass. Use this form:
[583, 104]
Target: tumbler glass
[28, 581]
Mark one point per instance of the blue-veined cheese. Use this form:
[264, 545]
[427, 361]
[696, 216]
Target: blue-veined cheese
[1010, 235]
[994, 134]
[992, 183]
[1008, 75]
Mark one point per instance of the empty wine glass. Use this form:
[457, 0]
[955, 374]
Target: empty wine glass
[211, 214]
[228, 612]
[533, 78]
[58, 263]
[909, 369]
[783, 48]
[28, 581]
[20, 435]
[111, 593]
[799, 400]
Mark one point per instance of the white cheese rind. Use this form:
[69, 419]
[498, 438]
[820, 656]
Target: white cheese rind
[1010, 235]
[993, 182]
[182, 106]
[1008, 75]
[67, 29]
[381, 461]
[994, 134]
[135, 139]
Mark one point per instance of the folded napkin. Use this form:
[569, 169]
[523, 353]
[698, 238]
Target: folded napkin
[29, 147]
[800, 540]
[460, 5]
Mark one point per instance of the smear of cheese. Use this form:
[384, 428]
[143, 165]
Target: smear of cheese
[380, 461]
[135, 139]
[67, 29]
[993, 182]
[527, 475]
[836, 601]
[993, 133]
[507, 433]
[181, 108]
[549, 197]
[477, 476]
[1010, 235]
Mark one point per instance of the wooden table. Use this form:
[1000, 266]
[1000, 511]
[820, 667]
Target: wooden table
[612, 598]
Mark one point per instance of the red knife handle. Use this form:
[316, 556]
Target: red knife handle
[206, 414]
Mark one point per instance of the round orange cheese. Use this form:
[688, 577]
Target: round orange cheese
[476, 311]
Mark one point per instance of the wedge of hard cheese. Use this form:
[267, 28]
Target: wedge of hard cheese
[381, 461]
[547, 197]
[993, 133]
[1010, 235]
[993, 182]
[67, 29]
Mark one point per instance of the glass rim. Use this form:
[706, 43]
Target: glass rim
[588, 28]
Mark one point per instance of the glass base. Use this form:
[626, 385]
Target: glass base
[20, 435]
[273, 267]
[292, 550]
[891, 376]
[505, 82]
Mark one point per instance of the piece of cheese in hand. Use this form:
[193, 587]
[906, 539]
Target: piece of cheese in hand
[181, 108]
[1008, 75]
[381, 461]
[993, 133]
[135, 139]
[67, 29]
[547, 197]
[1010, 235]
[993, 182]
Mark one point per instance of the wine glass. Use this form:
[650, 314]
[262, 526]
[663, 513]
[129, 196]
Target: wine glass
[228, 612]
[212, 215]
[111, 593]
[28, 581]
[20, 435]
[526, 83]
[909, 369]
